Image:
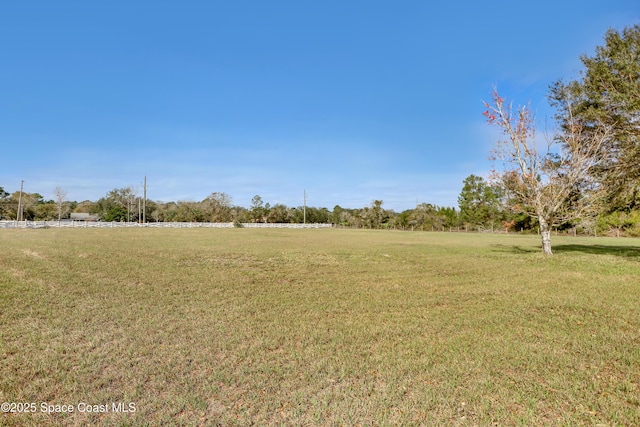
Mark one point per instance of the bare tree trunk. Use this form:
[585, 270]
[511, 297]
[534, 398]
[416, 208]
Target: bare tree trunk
[545, 232]
[61, 195]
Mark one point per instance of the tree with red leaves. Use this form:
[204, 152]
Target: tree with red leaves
[550, 181]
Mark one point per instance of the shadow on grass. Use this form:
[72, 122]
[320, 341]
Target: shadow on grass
[516, 249]
[623, 251]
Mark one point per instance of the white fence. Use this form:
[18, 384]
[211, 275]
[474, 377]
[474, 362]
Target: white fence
[93, 224]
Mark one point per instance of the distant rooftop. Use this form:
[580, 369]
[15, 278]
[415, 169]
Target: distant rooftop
[83, 216]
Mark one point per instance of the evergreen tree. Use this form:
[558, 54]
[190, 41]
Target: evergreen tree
[479, 202]
[607, 93]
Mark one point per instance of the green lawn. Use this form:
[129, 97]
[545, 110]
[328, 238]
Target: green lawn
[318, 327]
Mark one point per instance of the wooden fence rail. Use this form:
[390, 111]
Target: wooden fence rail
[98, 224]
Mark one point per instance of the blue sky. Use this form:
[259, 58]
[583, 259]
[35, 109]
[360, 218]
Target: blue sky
[349, 101]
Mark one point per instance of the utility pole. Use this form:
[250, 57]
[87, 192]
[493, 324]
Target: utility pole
[144, 202]
[19, 213]
[304, 208]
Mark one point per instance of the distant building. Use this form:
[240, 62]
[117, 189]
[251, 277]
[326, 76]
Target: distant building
[82, 216]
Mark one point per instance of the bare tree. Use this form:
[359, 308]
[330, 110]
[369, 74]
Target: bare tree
[61, 196]
[218, 207]
[551, 180]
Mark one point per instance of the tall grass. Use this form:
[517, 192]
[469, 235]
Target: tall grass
[319, 327]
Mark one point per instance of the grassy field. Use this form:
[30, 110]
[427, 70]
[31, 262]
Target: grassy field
[317, 327]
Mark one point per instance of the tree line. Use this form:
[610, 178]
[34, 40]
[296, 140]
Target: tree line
[123, 205]
[482, 206]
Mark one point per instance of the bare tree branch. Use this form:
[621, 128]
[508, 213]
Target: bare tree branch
[553, 185]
